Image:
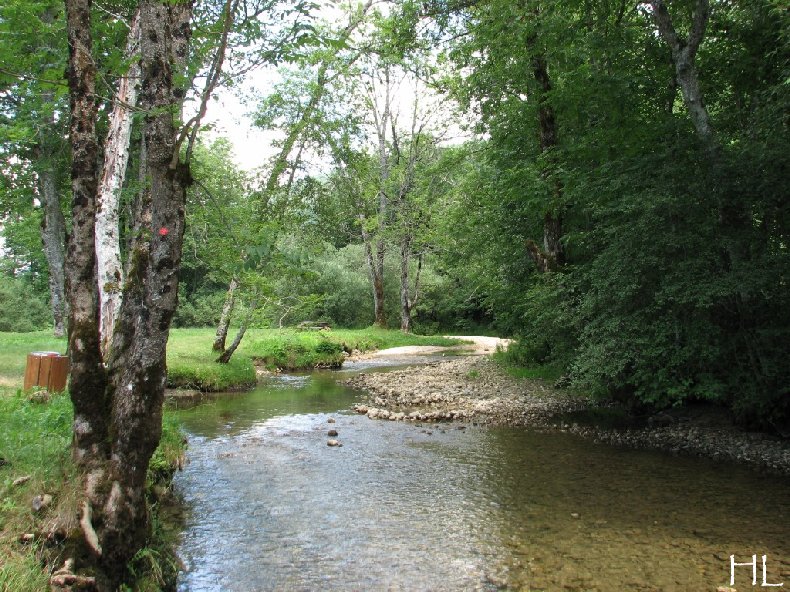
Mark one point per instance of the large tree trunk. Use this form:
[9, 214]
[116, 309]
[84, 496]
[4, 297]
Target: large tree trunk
[137, 363]
[116, 158]
[53, 236]
[118, 412]
[224, 320]
[88, 378]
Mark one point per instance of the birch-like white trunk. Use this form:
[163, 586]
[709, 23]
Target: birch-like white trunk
[116, 158]
[224, 320]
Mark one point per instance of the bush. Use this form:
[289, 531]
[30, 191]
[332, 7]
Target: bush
[21, 308]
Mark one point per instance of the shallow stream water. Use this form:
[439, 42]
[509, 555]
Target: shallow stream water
[403, 506]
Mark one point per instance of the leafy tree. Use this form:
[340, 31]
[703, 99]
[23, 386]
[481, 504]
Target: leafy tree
[666, 181]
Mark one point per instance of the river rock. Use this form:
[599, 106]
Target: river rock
[332, 443]
[332, 433]
[442, 392]
[330, 420]
[41, 502]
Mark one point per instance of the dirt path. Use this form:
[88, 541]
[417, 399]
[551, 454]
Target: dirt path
[479, 345]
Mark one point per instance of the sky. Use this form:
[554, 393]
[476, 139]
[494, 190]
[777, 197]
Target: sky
[230, 118]
[229, 115]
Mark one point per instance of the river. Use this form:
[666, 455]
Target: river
[403, 506]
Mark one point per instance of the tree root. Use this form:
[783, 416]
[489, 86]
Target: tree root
[87, 529]
[66, 579]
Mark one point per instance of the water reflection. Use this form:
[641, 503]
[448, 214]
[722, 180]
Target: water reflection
[408, 507]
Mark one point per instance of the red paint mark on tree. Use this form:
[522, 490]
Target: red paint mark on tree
[163, 231]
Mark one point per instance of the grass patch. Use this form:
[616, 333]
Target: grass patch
[532, 371]
[289, 349]
[374, 338]
[190, 359]
[191, 363]
[293, 350]
[35, 443]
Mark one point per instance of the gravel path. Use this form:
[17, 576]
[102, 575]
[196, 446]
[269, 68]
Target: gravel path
[476, 389]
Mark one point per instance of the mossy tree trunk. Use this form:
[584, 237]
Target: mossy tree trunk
[118, 410]
[88, 377]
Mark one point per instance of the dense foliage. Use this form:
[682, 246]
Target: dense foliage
[675, 285]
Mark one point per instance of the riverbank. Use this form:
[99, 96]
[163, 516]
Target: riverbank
[191, 363]
[41, 489]
[477, 389]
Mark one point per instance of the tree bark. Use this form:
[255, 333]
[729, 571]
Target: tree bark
[88, 378]
[376, 269]
[137, 363]
[552, 256]
[224, 320]
[53, 236]
[53, 225]
[376, 260]
[684, 52]
[405, 300]
[118, 412]
[228, 353]
[408, 302]
[733, 215]
[116, 158]
[407, 215]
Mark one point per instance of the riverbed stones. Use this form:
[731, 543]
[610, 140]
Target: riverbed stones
[332, 433]
[332, 443]
[444, 392]
[330, 420]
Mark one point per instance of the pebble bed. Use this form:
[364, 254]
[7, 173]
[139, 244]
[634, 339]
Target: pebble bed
[476, 389]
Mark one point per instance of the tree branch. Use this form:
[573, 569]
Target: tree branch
[193, 125]
[700, 21]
